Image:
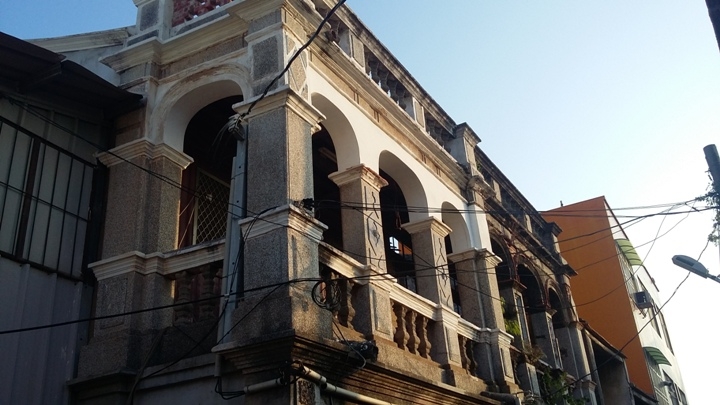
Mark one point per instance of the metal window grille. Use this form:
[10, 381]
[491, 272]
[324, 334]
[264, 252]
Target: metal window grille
[44, 201]
[210, 219]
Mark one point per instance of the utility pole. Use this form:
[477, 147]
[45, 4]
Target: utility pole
[713, 161]
[714, 13]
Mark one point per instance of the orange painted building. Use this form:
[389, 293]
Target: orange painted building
[608, 275]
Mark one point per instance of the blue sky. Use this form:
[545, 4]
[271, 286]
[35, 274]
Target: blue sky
[571, 99]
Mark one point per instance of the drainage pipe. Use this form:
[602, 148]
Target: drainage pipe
[310, 375]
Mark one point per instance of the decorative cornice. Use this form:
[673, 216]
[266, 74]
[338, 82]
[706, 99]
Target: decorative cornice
[143, 148]
[431, 223]
[281, 98]
[90, 40]
[362, 172]
[166, 51]
[251, 10]
[165, 264]
[287, 216]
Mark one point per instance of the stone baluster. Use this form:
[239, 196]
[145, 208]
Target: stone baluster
[413, 339]
[464, 360]
[422, 331]
[401, 336]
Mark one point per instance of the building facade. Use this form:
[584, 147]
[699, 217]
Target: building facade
[54, 115]
[308, 231]
[611, 274]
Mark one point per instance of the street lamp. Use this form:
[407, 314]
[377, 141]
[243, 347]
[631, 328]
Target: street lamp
[693, 266]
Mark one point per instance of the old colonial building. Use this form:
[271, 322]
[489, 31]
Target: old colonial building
[305, 224]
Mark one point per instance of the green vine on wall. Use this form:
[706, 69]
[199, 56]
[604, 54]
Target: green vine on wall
[555, 389]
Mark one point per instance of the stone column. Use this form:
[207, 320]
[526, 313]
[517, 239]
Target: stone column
[433, 282]
[478, 288]
[572, 340]
[282, 238]
[545, 336]
[143, 207]
[431, 272]
[363, 240]
[362, 226]
[481, 304]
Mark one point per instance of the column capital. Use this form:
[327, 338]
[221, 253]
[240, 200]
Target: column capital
[475, 254]
[288, 216]
[361, 172]
[431, 223]
[143, 148]
[282, 98]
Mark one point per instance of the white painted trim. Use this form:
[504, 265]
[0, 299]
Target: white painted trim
[165, 264]
[143, 148]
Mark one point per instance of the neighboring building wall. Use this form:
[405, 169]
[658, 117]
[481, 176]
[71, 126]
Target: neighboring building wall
[608, 277]
[46, 184]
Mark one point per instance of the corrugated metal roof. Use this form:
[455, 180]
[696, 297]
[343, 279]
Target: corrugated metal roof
[37, 72]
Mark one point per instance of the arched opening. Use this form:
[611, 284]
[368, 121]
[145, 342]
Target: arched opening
[206, 182]
[341, 132]
[532, 298]
[558, 318]
[456, 241]
[326, 192]
[452, 273]
[398, 242]
[503, 271]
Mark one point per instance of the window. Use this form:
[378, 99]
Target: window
[657, 380]
[520, 308]
[628, 274]
[206, 181]
[45, 195]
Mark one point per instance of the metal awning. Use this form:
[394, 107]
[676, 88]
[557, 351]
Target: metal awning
[37, 72]
[657, 355]
[629, 251]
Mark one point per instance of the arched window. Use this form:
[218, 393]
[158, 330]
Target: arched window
[325, 191]
[398, 242]
[206, 182]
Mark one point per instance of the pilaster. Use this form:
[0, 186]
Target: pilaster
[143, 191]
[545, 337]
[280, 128]
[154, 19]
[431, 271]
[478, 287]
[362, 226]
[275, 32]
[281, 266]
[281, 239]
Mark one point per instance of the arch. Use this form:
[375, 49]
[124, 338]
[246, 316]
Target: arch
[533, 294]
[341, 131]
[209, 175]
[460, 236]
[408, 182]
[325, 192]
[558, 319]
[504, 271]
[177, 105]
